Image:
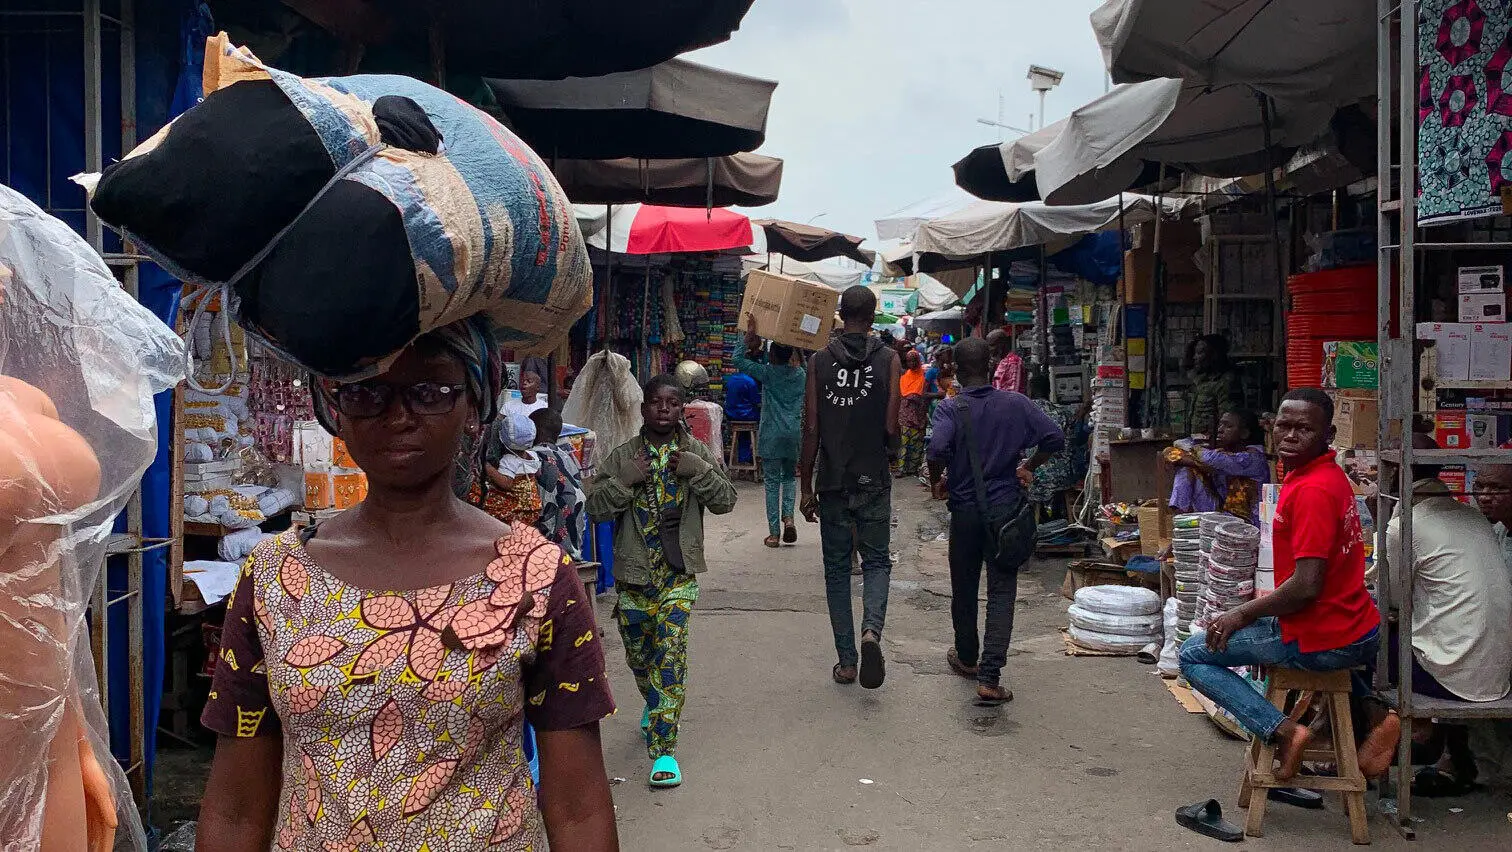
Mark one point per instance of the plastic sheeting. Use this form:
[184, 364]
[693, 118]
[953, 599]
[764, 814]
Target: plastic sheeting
[73, 340]
[999, 226]
[606, 400]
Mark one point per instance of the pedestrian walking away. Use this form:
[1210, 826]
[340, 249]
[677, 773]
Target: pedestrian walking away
[980, 439]
[849, 441]
[391, 712]
[655, 488]
[777, 443]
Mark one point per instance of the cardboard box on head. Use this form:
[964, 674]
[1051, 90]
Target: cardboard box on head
[789, 310]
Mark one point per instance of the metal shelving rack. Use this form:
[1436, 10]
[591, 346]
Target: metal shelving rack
[1396, 276]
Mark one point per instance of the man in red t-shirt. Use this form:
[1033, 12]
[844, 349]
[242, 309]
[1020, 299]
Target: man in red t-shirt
[1320, 617]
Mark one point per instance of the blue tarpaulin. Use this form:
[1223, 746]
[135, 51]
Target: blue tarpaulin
[42, 84]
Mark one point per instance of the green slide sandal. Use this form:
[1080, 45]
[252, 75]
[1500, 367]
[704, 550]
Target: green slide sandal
[666, 765]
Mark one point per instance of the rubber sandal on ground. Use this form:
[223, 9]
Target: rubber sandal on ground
[1206, 818]
[1433, 783]
[666, 765]
[1296, 797]
[843, 679]
[873, 668]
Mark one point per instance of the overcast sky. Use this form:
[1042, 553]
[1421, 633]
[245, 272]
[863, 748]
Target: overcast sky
[876, 98]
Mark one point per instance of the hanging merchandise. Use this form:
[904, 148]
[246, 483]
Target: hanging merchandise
[606, 400]
[1463, 135]
[342, 217]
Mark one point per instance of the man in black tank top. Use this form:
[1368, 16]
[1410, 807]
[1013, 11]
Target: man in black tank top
[850, 434]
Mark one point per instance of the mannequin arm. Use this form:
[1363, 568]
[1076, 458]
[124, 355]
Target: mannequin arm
[99, 801]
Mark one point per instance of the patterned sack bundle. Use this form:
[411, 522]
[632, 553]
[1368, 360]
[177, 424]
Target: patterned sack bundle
[340, 218]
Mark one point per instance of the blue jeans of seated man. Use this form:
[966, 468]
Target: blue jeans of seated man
[870, 513]
[781, 479]
[1261, 644]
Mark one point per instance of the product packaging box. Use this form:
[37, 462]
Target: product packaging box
[1482, 307]
[1481, 279]
[1490, 352]
[1452, 344]
[1351, 364]
[1356, 422]
[1450, 430]
[1488, 430]
[788, 310]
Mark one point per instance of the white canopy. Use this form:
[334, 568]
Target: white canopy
[1216, 130]
[901, 224]
[1293, 51]
[998, 226]
[933, 295]
[827, 272]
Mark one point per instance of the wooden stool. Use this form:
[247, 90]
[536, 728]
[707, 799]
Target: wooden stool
[732, 450]
[1332, 689]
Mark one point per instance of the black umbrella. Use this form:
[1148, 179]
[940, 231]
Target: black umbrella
[521, 39]
[675, 109]
[983, 174]
[741, 180]
[808, 243]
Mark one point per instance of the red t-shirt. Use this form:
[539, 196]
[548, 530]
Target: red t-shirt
[1316, 518]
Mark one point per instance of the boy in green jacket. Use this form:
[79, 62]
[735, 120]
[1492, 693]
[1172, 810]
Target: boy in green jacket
[656, 488]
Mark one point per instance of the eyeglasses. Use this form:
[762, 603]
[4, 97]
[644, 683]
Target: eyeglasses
[372, 398]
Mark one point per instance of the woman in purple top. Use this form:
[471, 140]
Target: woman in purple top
[1226, 477]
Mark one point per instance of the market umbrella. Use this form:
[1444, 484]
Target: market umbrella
[523, 40]
[645, 229]
[901, 224]
[675, 109]
[741, 180]
[826, 272]
[947, 319]
[996, 172]
[810, 243]
[1319, 50]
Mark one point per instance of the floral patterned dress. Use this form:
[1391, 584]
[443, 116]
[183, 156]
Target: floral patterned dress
[402, 712]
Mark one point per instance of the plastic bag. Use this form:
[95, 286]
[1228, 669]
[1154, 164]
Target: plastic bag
[1170, 653]
[80, 361]
[1111, 642]
[606, 399]
[1145, 626]
[1118, 600]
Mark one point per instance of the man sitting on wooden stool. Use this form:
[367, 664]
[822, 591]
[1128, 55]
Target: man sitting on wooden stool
[1320, 617]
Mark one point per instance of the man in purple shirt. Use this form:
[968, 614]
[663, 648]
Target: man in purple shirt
[1004, 425]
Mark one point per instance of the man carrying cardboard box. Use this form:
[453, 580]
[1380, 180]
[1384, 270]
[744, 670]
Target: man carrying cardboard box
[850, 430]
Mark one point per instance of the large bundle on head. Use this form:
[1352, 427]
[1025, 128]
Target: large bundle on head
[346, 216]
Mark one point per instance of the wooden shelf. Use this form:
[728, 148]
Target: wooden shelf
[1466, 384]
[1424, 707]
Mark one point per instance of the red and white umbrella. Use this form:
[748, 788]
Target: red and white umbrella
[647, 229]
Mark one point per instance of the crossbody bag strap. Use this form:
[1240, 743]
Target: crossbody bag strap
[972, 455]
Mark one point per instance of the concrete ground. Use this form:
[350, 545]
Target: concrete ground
[1093, 753]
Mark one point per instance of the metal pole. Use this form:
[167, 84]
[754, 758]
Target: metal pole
[1270, 196]
[1044, 274]
[608, 271]
[93, 158]
[1154, 323]
[987, 295]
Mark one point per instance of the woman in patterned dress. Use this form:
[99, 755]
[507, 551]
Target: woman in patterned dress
[377, 670]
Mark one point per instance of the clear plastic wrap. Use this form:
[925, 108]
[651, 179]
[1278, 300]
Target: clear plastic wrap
[80, 361]
[606, 400]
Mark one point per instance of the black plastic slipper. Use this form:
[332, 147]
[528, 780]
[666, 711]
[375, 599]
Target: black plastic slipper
[1206, 818]
[1296, 797]
[873, 669]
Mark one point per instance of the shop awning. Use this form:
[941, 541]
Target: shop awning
[901, 224]
[984, 227]
[741, 180]
[826, 272]
[809, 243]
[675, 109]
[997, 172]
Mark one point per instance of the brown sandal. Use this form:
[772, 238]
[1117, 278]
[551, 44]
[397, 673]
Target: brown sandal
[844, 675]
[953, 659]
[992, 696]
[772, 541]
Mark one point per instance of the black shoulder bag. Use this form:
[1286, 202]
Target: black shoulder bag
[1010, 529]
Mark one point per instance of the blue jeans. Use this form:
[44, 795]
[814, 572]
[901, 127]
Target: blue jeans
[1261, 644]
[869, 514]
[781, 479]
